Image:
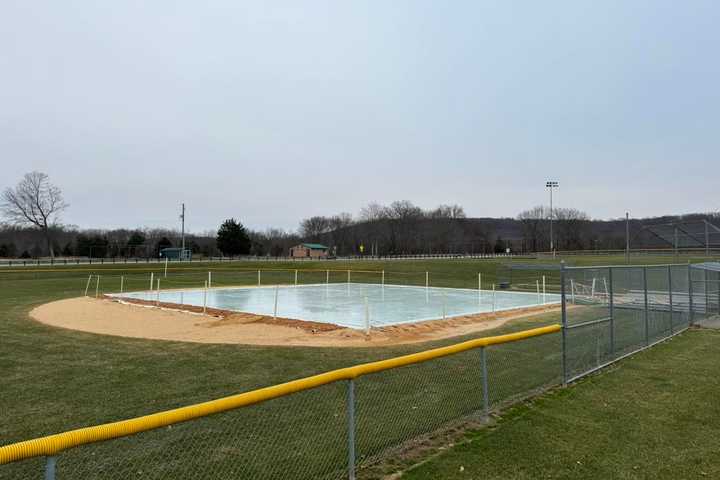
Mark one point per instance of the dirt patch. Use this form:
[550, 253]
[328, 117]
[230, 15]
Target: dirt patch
[111, 317]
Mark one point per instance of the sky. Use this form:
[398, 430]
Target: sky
[271, 112]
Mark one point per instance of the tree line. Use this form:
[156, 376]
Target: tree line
[33, 229]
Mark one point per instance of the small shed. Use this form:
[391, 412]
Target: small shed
[309, 250]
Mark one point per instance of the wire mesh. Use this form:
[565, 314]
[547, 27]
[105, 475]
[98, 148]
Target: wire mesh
[517, 370]
[399, 405]
[302, 436]
[634, 307]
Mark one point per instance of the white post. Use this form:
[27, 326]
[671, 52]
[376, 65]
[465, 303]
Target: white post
[276, 302]
[166, 263]
[367, 317]
[327, 276]
[427, 279]
[157, 293]
[348, 281]
[537, 287]
[383, 278]
[258, 278]
[87, 285]
[572, 290]
[209, 280]
[544, 291]
[493, 290]
[480, 288]
[296, 278]
[444, 305]
[152, 282]
[592, 289]
[122, 281]
[205, 297]
[97, 286]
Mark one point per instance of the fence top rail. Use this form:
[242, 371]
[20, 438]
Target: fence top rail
[655, 265]
[53, 444]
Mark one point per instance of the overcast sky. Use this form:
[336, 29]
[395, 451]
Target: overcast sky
[275, 111]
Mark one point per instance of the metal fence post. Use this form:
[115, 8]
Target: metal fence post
[611, 301]
[486, 394]
[50, 464]
[351, 428]
[647, 320]
[670, 297]
[563, 306]
[690, 296]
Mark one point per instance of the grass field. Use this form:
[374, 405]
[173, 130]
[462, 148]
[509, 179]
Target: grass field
[55, 380]
[650, 416]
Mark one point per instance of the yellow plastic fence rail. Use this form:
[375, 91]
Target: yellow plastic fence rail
[53, 444]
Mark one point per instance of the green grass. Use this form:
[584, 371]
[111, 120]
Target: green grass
[652, 416]
[55, 379]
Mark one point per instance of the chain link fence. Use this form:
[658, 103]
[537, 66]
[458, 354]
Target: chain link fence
[336, 430]
[344, 428]
[611, 312]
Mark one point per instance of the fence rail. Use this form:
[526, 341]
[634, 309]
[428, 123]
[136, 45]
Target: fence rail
[668, 252]
[156, 260]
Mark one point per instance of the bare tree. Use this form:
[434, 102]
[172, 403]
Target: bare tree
[405, 210]
[448, 211]
[373, 211]
[572, 228]
[35, 202]
[533, 230]
[311, 228]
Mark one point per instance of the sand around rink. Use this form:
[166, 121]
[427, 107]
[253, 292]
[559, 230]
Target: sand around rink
[111, 317]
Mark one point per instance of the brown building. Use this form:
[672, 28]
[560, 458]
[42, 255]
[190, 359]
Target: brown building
[309, 250]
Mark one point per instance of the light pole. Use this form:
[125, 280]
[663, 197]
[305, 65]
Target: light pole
[551, 185]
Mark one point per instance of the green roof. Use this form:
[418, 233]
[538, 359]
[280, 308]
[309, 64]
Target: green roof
[314, 246]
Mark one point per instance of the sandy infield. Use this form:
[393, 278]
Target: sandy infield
[111, 317]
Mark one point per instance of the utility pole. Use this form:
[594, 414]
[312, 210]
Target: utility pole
[627, 237]
[182, 217]
[551, 185]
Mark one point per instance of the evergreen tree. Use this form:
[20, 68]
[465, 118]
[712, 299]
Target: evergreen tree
[232, 239]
